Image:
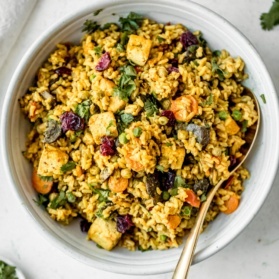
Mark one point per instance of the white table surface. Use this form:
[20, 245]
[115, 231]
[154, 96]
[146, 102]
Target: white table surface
[253, 254]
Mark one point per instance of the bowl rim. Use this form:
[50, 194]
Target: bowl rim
[15, 80]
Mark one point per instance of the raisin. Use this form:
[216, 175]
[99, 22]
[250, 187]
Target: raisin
[188, 39]
[107, 147]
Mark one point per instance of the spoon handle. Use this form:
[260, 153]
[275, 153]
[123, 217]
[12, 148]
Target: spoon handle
[184, 263]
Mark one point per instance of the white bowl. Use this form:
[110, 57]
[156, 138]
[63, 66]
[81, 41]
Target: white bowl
[262, 162]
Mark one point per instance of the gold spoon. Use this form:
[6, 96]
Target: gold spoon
[184, 263]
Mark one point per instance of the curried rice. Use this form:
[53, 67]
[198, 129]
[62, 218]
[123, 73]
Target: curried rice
[132, 127]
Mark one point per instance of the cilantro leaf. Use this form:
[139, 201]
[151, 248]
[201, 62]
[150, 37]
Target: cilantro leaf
[59, 200]
[41, 200]
[90, 26]
[103, 194]
[216, 69]
[98, 50]
[46, 178]
[127, 118]
[97, 12]
[263, 98]
[150, 106]
[83, 110]
[68, 166]
[7, 271]
[132, 22]
[270, 19]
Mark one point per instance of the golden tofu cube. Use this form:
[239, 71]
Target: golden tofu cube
[231, 127]
[104, 233]
[138, 49]
[102, 124]
[116, 104]
[172, 158]
[51, 161]
[107, 86]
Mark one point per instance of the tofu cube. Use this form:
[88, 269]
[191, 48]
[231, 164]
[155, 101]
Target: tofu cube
[138, 49]
[102, 124]
[172, 158]
[116, 104]
[106, 85]
[231, 127]
[51, 161]
[104, 233]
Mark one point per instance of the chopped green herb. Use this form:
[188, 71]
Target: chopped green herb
[150, 106]
[144, 250]
[90, 26]
[103, 194]
[270, 19]
[186, 211]
[59, 200]
[107, 25]
[41, 200]
[68, 166]
[223, 115]
[46, 178]
[216, 69]
[263, 98]
[202, 41]
[129, 70]
[7, 271]
[203, 198]
[127, 118]
[163, 237]
[123, 41]
[97, 12]
[244, 126]
[83, 110]
[165, 195]
[168, 144]
[208, 101]
[98, 50]
[111, 124]
[92, 77]
[132, 22]
[71, 197]
[137, 132]
[160, 39]
[237, 115]
[160, 168]
[123, 139]
[216, 53]
[99, 246]
[179, 181]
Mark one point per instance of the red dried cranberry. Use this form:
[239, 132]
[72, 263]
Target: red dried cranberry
[107, 147]
[173, 69]
[169, 114]
[84, 225]
[71, 121]
[167, 180]
[188, 39]
[174, 62]
[124, 223]
[63, 71]
[233, 162]
[104, 62]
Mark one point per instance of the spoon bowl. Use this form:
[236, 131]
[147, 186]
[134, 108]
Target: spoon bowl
[185, 260]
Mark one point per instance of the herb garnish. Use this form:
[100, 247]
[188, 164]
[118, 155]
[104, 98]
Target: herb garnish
[150, 106]
[126, 84]
[97, 12]
[270, 19]
[98, 50]
[216, 69]
[41, 200]
[90, 26]
[160, 39]
[127, 118]
[7, 271]
[45, 178]
[132, 22]
[59, 200]
[68, 166]
[263, 98]
[208, 101]
[83, 109]
[103, 194]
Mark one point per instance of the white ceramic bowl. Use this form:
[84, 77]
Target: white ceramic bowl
[262, 162]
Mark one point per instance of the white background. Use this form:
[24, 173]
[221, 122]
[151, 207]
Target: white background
[253, 254]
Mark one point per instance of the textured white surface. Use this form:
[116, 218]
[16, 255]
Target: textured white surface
[13, 15]
[254, 254]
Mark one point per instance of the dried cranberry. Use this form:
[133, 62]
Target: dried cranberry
[104, 62]
[63, 71]
[169, 114]
[107, 147]
[233, 162]
[71, 121]
[173, 69]
[174, 62]
[167, 180]
[124, 223]
[84, 225]
[188, 39]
